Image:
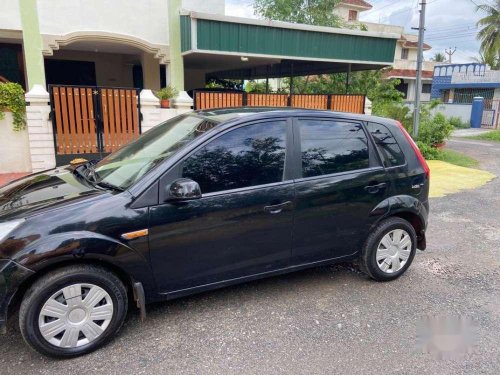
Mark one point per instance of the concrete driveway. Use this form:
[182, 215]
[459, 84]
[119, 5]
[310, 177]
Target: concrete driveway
[326, 320]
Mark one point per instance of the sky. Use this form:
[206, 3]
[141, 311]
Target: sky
[449, 23]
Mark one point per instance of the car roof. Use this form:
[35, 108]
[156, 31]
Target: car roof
[225, 115]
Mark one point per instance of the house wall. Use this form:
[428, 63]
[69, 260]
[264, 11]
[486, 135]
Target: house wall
[497, 94]
[412, 53]
[455, 110]
[111, 69]
[10, 17]
[59, 17]
[15, 148]
[343, 11]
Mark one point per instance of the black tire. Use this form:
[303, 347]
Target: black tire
[368, 258]
[51, 283]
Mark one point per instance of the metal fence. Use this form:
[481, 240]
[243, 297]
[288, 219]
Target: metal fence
[227, 99]
[491, 115]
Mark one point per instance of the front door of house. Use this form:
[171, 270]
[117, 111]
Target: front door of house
[90, 122]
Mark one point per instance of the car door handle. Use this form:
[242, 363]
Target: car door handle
[374, 189]
[277, 208]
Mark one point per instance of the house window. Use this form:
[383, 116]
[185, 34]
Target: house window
[426, 88]
[404, 53]
[353, 15]
[12, 63]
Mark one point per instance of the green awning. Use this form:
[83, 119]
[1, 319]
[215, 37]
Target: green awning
[314, 49]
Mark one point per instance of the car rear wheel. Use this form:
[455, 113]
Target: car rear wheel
[389, 250]
[73, 311]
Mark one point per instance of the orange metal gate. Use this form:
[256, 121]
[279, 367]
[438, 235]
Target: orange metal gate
[90, 122]
[227, 99]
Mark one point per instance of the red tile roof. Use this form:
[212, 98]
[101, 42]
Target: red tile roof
[359, 3]
[407, 73]
[415, 45]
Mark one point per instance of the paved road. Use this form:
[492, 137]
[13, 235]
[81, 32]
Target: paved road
[326, 320]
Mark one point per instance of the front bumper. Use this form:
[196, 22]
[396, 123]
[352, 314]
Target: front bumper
[11, 276]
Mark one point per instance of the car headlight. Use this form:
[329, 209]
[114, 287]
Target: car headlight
[7, 227]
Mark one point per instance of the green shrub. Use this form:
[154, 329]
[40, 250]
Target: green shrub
[429, 152]
[435, 130]
[457, 123]
[12, 99]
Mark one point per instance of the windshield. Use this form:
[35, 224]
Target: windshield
[127, 165]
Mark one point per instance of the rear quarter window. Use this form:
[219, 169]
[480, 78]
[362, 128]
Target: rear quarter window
[387, 145]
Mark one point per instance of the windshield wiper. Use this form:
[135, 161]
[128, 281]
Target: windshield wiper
[107, 185]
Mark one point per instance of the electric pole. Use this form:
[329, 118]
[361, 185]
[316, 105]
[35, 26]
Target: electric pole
[418, 89]
[450, 53]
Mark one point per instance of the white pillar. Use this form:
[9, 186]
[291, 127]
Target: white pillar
[183, 102]
[150, 109]
[368, 106]
[39, 126]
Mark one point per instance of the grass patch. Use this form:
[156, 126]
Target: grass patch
[456, 158]
[490, 136]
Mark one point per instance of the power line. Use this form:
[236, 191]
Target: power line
[456, 36]
[450, 28]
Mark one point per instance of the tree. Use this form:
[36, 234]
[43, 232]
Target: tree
[311, 12]
[439, 57]
[493, 62]
[489, 35]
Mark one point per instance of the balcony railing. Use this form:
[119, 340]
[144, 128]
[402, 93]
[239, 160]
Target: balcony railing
[490, 76]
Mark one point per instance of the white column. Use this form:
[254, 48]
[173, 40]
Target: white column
[183, 102]
[150, 109]
[368, 106]
[39, 126]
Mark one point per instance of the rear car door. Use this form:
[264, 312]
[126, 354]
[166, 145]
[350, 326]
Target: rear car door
[242, 224]
[341, 181]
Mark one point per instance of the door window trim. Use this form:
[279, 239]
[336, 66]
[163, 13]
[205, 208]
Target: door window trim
[175, 171]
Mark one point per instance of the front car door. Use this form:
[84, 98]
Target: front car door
[242, 224]
[341, 181]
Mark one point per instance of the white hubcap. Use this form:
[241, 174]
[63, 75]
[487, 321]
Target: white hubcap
[75, 315]
[393, 251]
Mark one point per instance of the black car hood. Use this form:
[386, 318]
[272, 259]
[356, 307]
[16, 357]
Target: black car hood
[41, 191]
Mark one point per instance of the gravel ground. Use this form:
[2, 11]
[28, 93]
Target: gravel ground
[324, 320]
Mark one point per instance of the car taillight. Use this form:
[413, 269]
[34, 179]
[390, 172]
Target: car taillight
[416, 149]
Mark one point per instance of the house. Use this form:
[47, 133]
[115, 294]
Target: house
[349, 10]
[456, 86]
[461, 83]
[405, 59]
[89, 67]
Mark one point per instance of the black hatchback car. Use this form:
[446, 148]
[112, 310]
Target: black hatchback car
[205, 200]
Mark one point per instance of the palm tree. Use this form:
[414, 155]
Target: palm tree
[439, 57]
[489, 35]
[487, 59]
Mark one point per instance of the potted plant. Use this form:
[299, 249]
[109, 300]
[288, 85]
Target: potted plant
[165, 94]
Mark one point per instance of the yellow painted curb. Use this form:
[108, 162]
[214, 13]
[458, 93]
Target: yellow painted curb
[447, 178]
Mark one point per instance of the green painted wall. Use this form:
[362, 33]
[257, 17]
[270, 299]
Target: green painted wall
[176, 60]
[242, 38]
[32, 43]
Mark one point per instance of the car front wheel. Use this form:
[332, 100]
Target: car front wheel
[73, 310]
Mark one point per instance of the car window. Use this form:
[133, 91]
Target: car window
[248, 156]
[332, 146]
[387, 145]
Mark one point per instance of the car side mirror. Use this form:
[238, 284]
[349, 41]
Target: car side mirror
[183, 189]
